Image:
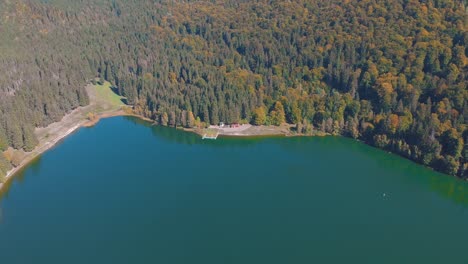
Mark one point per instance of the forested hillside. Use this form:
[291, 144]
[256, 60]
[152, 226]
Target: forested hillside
[392, 73]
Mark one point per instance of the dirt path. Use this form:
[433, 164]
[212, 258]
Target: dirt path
[246, 130]
[251, 131]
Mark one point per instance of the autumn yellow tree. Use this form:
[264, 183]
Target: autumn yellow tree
[277, 115]
[190, 119]
[259, 116]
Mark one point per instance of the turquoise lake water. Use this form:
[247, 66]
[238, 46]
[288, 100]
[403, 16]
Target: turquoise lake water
[128, 192]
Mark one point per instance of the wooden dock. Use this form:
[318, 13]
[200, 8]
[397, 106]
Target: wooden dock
[205, 136]
[211, 134]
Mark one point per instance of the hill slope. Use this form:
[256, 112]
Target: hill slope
[392, 73]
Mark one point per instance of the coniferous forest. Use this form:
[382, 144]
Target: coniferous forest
[392, 73]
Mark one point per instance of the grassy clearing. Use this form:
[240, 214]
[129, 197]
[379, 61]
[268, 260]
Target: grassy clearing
[105, 94]
[103, 102]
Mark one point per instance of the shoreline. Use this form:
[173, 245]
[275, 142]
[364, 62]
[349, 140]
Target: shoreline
[45, 146]
[245, 130]
[259, 131]
[36, 153]
[103, 103]
[50, 143]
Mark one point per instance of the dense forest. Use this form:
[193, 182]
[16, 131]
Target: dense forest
[392, 73]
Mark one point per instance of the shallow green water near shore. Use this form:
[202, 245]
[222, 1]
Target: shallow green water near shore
[127, 192]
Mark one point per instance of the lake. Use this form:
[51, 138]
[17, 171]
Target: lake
[128, 192]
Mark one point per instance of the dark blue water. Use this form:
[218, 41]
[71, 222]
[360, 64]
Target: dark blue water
[127, 192]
